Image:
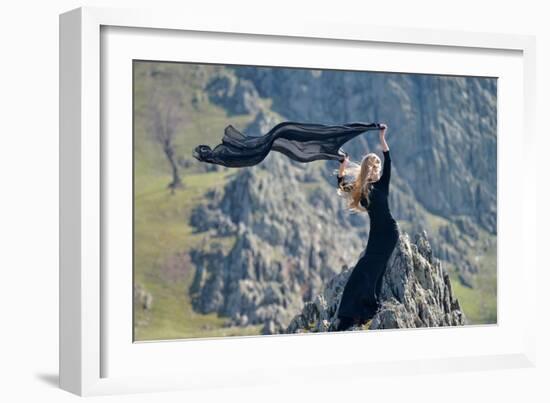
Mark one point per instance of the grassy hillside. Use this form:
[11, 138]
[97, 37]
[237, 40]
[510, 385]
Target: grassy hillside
[479, 303]
[162, 235]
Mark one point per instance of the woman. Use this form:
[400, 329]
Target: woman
[369, 191]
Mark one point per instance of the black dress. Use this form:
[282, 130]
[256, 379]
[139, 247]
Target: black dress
[360, 298]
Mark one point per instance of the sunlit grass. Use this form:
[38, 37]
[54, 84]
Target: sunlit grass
[162, 233]
[479, 303]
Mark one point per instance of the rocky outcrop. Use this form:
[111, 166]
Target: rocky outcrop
[416, 292]
[236, 96]
[442, 128]
[269, 247]
[248, 285]
[281, 222]
[443, 134]
[283, 243]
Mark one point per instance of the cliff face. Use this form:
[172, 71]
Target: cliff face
[264, 278]
[285, 224]
[442, 134]
[416, 292]
[290, 235]
[276, 234]
[443, 128]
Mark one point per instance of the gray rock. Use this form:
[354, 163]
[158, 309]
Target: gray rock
[238, 97]
[443, 127]
[416, 292]
[291, 229]
[466, 226]
[280, 256]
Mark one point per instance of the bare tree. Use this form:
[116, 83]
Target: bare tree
[165, 118]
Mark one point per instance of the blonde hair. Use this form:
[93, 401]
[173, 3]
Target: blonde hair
[364, 175]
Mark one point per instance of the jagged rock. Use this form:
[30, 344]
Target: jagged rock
[204, 218]
[416, 292]
[443, 139]
[262, 123]
[236, 96]
[466, 226]
[282, 255]
[443, 127]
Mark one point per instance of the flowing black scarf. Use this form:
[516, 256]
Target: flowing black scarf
[303, 142]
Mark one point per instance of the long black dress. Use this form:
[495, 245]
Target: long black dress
[360, 296]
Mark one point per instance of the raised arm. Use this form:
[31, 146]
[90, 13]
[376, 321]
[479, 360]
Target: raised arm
[383, 137]
[386, 169]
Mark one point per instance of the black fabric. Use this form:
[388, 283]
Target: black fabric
[360, 298]
[303, 142]
[344, 324]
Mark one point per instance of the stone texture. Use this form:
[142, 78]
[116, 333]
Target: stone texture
[416, 292]
[444, 127]
[292, 234]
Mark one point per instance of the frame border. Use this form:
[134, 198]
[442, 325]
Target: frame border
[80, 307]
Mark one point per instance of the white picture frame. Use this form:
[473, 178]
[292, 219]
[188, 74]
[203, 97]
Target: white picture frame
[96, 355]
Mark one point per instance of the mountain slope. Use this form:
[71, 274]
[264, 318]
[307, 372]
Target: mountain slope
[416, 292]
[291, 214]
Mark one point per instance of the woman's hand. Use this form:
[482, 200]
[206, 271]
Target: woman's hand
[343, 165]
[346, 158]
[383, 128]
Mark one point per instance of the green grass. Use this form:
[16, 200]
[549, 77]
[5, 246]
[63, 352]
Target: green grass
[479, 303]
[162, 233]
[201, 124]
[434, 221]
